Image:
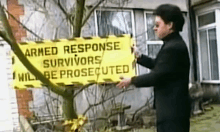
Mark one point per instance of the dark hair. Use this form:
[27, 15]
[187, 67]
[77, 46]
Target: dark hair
[171, 13]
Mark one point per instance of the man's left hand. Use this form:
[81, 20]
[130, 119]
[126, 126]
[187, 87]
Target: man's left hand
[124, 83]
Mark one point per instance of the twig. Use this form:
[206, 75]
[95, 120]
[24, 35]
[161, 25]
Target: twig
[23, 25]
[39, 5]
[145, 105]
[82, 88]
[104, 101]
[45, 1]
[47, 106]
[64, 11]
[90, 12]
[61, 8]
[104, 118]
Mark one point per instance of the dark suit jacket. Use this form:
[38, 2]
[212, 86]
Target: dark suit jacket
[170, 77]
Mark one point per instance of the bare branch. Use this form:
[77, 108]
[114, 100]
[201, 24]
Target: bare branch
[81, 89]
[90, 12]
[42, 7]
[93, 105]
[61, 7]
[147, 104]
[64, 11]
[28, 18]
[78, 18]
[47, 105]
[45, 1]
[104, 117]
[23, 25]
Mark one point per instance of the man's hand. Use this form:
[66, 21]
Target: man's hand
[124, 83]
[137, 53]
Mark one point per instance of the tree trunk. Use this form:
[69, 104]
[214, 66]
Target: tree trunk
[69, 112]
[68, 103]
[80, 4]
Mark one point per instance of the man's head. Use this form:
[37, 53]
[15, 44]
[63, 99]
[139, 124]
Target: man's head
[168, 19]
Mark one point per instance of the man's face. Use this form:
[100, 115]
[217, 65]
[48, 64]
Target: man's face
[161, 28]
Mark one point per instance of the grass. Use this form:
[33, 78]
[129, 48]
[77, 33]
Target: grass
[208, 122]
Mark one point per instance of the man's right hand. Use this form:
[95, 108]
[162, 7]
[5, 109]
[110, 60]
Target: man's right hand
[137, 53]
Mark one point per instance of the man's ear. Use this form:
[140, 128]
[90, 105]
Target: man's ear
[170, 24]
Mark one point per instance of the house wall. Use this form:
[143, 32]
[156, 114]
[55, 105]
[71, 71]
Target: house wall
[141, 4]
[6, 119]
[211, 89]
[9, 118]
[48, 25]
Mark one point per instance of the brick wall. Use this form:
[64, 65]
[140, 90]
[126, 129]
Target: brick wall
[16, 10]
[23, 96]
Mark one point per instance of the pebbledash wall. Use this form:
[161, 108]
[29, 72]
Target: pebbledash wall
[9, 117]
[13, 102]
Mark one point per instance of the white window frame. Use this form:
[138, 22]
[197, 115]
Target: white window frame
[201, 11]
[149, 42]
[119, 10]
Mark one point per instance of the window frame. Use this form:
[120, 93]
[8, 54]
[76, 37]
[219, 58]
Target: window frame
[216, 25]
[116, 10]
[146, 35]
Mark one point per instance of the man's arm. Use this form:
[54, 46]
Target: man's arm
[146, 61]
[164, 70]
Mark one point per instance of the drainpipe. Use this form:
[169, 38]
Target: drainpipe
[193, 40]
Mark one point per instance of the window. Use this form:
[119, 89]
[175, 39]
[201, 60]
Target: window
[206, 19]
[114, 22]
[207, 37]
[150, 21]
[153, 49]
[153, 43]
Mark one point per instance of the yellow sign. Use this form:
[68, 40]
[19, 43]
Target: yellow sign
[77, 61]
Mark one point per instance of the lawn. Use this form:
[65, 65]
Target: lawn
[208, 122]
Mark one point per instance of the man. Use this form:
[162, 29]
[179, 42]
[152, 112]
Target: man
[169, 72]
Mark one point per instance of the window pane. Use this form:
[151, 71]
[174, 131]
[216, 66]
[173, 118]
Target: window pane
[206, 19]
[150, 21]
[204, 55]
[114, 22]
[213, 54]
[153, 50]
